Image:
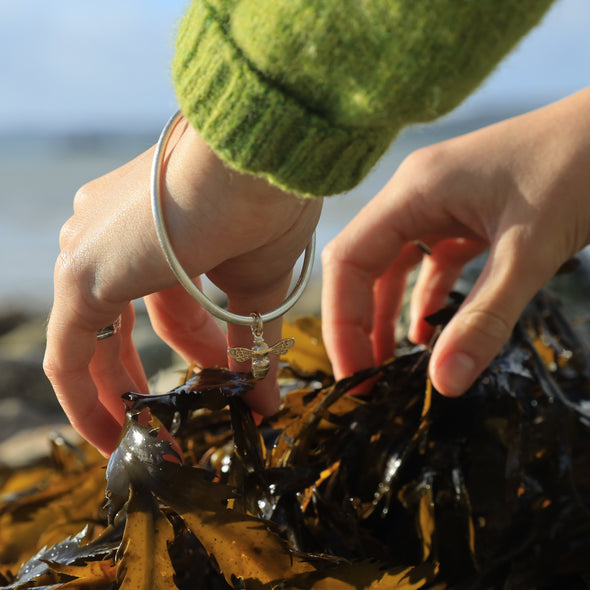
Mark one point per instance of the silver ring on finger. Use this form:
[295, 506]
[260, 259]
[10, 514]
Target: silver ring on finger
[109, 330]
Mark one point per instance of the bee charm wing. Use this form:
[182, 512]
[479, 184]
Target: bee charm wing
[282, 346]
[240, 354]
[259, 354]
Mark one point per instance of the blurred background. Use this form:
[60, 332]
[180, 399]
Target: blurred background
[86, 86]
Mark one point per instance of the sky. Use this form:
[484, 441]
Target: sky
[73, 63]
[70, 64]
[75, 66]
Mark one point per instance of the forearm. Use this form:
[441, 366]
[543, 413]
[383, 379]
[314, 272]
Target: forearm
[311, 95]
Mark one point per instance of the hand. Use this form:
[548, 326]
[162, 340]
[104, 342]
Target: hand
[243, 233]
[519, 188]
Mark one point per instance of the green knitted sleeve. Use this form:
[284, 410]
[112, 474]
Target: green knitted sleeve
[310, 93]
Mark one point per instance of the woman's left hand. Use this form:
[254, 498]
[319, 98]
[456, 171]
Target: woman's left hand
[245, 234]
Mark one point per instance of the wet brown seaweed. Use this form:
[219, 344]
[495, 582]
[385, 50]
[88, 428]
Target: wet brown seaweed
[398, 488]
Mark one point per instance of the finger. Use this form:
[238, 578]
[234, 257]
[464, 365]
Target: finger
[484, 322]
[119, 353]
[407, 209]
[388, 293]
[73, 384]
[71, 345]
[129, 354]
[265, 398]
[109, 368]
[190, 330]
[438, 275]
[347, 314]
[351, 264]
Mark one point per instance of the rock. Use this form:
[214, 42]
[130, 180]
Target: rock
[26, 396]
[10, 320]
[32, 444]
[27, 400]
[25, 341]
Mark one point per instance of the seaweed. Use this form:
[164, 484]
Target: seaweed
[396, 488]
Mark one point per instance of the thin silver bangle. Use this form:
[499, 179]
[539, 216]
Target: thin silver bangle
[254, 320]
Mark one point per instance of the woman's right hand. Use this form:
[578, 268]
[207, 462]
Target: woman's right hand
[519, 188]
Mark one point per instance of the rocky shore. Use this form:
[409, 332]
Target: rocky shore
[29, 411]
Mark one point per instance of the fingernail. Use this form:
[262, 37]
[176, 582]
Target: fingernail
[455, 374]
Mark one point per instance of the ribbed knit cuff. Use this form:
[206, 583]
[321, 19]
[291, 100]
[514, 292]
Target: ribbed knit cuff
[256, 127]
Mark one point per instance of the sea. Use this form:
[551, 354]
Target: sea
[41, 174]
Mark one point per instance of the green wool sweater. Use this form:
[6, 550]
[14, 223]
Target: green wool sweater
[310, 93]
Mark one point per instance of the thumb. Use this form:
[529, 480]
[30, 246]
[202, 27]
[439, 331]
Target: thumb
[485, 321]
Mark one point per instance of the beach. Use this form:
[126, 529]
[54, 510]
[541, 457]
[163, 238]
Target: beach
[40, 177]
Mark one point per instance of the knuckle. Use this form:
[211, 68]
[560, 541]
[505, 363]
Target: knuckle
[50, 370]
[184, 326]
[328, 254]
[71, 230]
[426, 162]
[487, 323]
[74, 276]
[66, 267]
[422, 159]
[332, 255]
[83, 196]
[67, 233]
[55, 375]
[429, 170]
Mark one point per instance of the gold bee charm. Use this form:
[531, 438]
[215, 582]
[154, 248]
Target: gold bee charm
[260, 350]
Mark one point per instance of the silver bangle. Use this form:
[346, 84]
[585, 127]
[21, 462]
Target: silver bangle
[260, 349]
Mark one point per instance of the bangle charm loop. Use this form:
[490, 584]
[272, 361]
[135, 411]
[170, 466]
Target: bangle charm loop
[260, 349]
